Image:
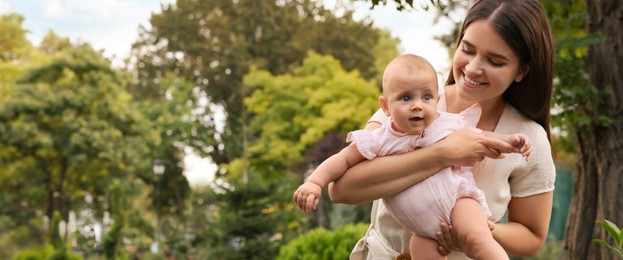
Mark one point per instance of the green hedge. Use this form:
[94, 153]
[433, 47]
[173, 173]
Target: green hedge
[46, 252]
[320, 244]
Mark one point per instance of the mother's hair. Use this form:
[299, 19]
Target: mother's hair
[525, 27]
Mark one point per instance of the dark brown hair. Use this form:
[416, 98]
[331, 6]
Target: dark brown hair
[525, 28]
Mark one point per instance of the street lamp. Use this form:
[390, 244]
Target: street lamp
[158, 168]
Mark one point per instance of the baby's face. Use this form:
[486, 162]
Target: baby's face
[412, 101]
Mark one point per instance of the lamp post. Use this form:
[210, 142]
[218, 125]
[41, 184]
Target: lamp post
[158, 168]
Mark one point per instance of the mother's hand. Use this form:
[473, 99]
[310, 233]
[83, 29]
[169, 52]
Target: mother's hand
[465, 147]
[448, 239]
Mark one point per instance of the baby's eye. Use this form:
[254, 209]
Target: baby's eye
[405, 98]
[427, 97]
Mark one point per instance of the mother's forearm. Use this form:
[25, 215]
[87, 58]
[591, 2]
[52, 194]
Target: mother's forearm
[385, 176]
[528, 222]
[518, 240]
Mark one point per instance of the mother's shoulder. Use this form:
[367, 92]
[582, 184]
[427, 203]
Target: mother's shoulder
[513, 121]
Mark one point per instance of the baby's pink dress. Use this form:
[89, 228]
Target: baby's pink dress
[423, 206]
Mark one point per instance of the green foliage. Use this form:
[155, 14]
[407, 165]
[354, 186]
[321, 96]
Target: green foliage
[324, 245]
[214, 43]
[384, 52]
[46, 253]
[73, 110]
[55, 236]
[67, 131]
[244, 220]
[72, 128]
[178, 128]
[118, 208]
[615, 234]
[574, 100]
[14, 48]
[13, 41]
[113, 238]
[79, 136]
[293, 111]
[53, 44]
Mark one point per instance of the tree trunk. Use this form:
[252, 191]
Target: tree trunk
[598, 178]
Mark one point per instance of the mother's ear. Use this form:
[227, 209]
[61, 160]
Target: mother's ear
[522, 73]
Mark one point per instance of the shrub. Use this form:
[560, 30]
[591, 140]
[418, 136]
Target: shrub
[320, 244]
[46, 253]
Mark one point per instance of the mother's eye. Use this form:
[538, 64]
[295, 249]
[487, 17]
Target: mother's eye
[467, 51]
[496, 64]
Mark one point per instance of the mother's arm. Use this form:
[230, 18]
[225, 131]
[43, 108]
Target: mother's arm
[528, 221]
[388, 175]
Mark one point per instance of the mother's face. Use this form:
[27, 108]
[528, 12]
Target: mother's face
[484, 65]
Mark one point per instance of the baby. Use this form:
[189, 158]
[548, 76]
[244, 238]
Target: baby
[410, 95]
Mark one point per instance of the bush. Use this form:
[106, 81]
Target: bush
[46, 253]
[320, 244]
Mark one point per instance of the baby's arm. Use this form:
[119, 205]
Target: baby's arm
[521, 142]
[308, 194]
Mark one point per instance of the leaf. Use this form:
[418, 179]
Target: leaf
[610, 247]
[612, 230]
[584, 120]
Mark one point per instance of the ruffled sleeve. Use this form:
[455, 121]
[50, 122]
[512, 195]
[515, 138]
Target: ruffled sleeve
[364, 141]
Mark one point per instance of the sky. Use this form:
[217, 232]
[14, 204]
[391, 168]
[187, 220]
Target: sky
[112, 26]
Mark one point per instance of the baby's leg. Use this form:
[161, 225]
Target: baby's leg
[474, 235]
[423, 248]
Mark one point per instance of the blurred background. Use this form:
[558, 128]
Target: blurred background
[180, 129]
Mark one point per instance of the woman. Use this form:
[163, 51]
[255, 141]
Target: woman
[503, 61]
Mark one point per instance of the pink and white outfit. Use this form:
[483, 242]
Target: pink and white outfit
[500, 180]
[421, 207]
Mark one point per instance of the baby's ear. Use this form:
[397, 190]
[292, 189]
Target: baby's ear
[384, 105]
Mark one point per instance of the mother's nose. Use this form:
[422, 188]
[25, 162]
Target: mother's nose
[474, 67]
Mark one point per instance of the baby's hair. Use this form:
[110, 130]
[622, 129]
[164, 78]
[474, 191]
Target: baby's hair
[409, 62]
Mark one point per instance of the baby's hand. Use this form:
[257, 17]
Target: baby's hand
[307, 196]
[522, 143]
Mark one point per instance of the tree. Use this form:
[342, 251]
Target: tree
[214, 43]
[246, 221]
[294, 111]
[14, 47]
[68, 128]
[301, 118]
[18, 225]
[598, 179]
[13, 42]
